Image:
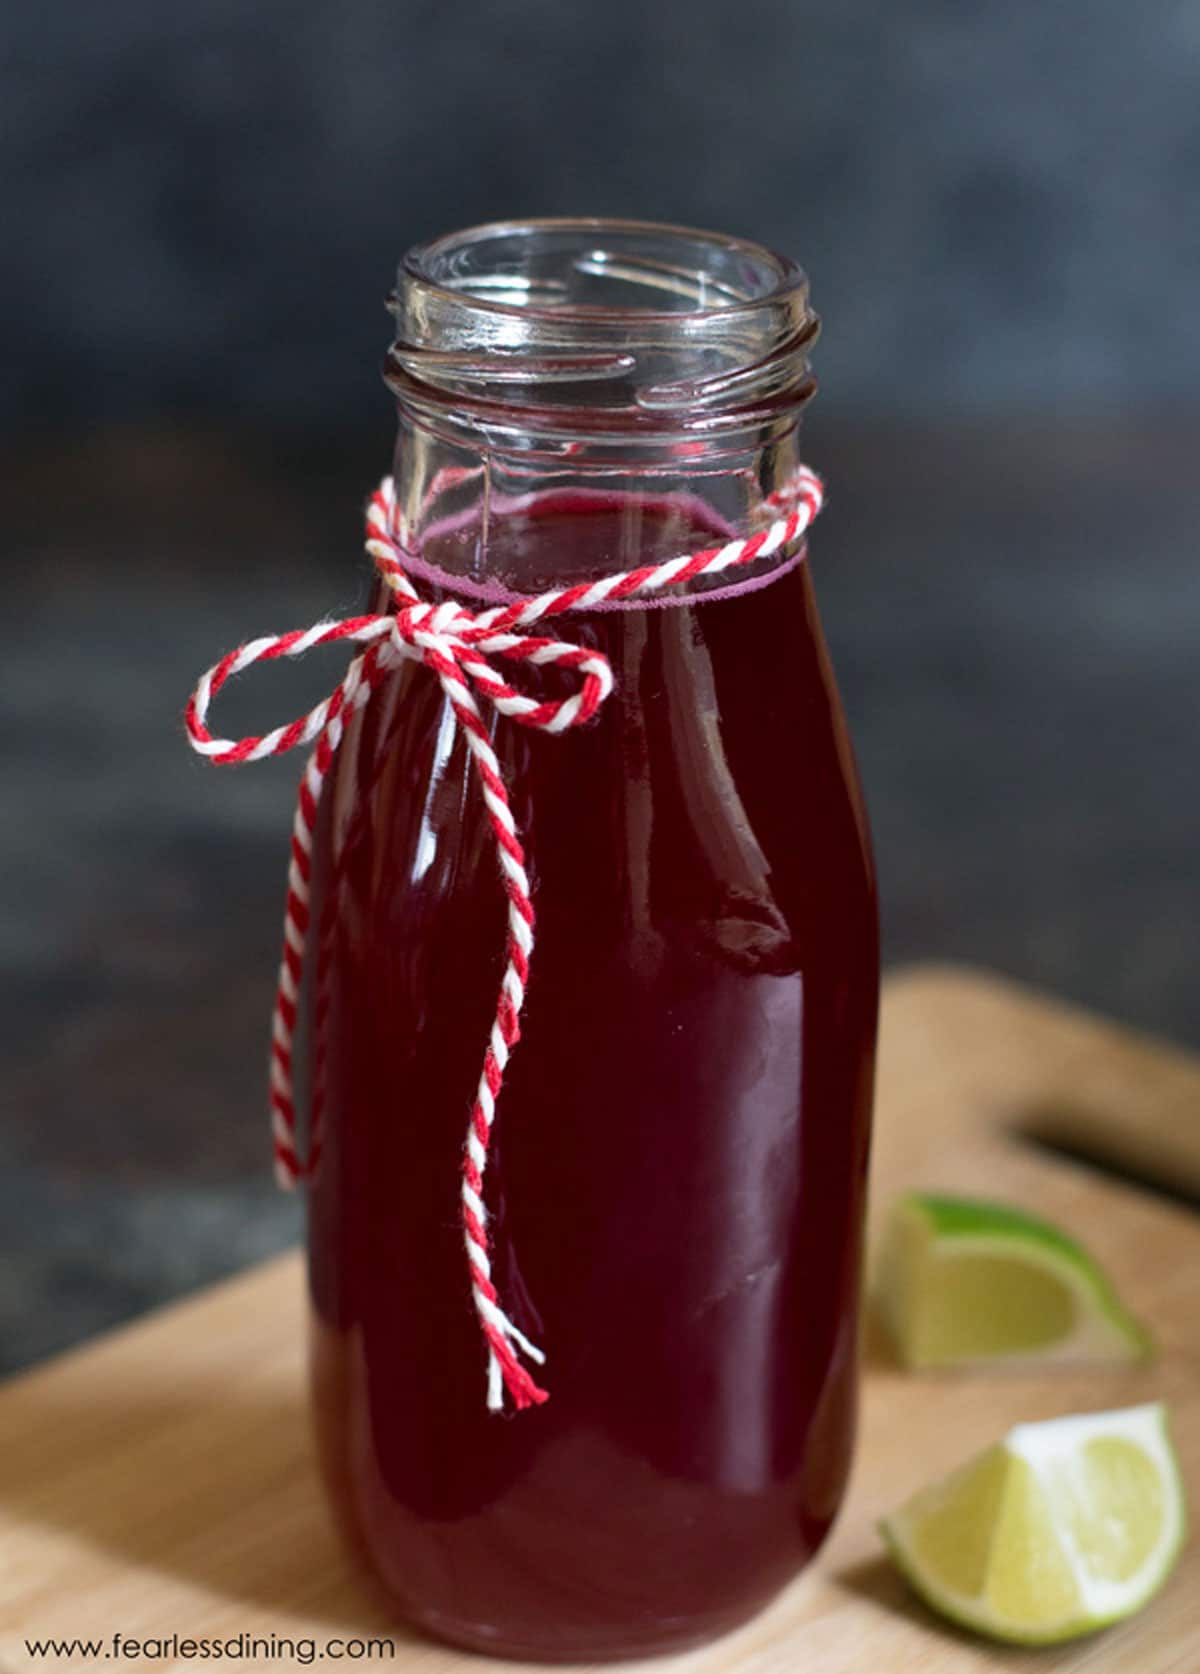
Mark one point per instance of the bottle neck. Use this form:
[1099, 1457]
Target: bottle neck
[647, 379]
[489, 517]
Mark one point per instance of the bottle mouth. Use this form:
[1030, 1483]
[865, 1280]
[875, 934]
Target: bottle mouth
[601, 325]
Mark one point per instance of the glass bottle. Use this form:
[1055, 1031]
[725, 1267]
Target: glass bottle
[676, 1182]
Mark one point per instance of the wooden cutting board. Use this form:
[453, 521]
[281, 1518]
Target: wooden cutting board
[160, 1481]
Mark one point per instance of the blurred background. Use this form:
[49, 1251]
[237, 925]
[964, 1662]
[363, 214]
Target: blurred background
[998, 207]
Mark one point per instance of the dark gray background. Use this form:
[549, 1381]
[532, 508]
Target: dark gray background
[997, 203]
[203, 206]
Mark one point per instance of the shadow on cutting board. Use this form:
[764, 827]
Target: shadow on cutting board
[216, 1492]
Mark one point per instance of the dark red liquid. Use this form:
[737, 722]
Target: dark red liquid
[678, 1167]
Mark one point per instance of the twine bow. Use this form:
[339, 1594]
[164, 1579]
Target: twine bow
[465, 649]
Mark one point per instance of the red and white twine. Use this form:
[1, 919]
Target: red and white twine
[458, 644]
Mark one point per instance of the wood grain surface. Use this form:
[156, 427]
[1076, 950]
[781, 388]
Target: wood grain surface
[160, 1481]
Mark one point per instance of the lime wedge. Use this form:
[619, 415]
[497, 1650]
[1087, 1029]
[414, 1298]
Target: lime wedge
[961, 1281]
[1059, 1529]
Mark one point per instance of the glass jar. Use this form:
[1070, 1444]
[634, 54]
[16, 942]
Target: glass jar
[676, 1183]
